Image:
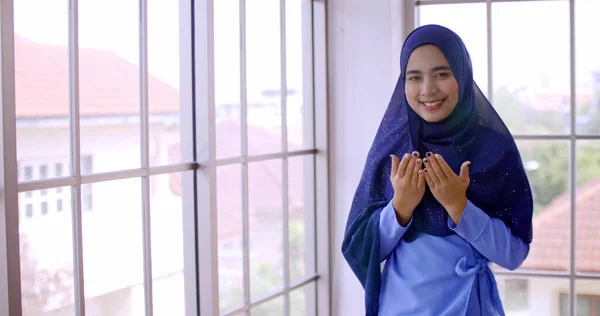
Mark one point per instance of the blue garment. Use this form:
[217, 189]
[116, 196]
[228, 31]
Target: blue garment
[446, 275]
[472, 132]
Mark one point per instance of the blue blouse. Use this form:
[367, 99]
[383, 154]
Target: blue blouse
[446, 275]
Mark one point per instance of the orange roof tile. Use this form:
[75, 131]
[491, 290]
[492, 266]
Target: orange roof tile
[108, 84]
[551, 232]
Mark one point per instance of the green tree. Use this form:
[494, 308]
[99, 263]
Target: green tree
[550, 178]
[593, 111]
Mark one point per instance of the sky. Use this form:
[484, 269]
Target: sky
[530, 40]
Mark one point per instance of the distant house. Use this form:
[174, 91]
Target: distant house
[550, 251]
[109, 95]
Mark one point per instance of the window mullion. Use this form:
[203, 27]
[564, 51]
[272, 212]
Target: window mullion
[284, 162]
[319, 217]
[244, 165]
[75, 136]
[10, 271]
[145, 154]
[572, 164]
[205, 178]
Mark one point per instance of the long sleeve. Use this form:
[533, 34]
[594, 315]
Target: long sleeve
[491, 237]
[390, 231]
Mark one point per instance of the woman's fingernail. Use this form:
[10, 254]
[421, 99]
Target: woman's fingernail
[418, 160]
[425, 160]
[428, 154]
[416, 154]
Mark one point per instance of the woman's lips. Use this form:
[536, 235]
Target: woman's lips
[432, 105]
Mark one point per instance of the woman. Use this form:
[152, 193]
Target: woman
[458, 199]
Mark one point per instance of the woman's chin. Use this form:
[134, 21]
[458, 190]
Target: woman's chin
[433, 117]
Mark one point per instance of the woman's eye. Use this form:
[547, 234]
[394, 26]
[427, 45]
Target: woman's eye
[413, 78]
[443, 75]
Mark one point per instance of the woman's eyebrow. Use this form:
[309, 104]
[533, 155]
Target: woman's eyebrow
[434, 69]
[439, 68]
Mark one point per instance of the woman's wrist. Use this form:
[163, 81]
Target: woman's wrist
[402, 214]
[456, 210]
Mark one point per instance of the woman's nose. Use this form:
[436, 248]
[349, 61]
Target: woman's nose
[429, 87]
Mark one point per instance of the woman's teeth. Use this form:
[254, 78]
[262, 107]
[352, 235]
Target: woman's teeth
[432, 104]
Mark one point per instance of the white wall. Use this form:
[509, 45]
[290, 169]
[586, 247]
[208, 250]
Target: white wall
[365, 38]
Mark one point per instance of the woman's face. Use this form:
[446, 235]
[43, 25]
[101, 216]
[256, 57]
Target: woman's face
[430, 87]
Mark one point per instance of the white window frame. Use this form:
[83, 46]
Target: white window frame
[199, 183]
[411, 17]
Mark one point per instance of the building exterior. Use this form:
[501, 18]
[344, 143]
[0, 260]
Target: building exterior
[112, 217]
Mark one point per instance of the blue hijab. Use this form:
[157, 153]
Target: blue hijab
[473, 131]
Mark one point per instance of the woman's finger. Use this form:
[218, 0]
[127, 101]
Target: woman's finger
[429, 167]
[421, 180]
[444, 165]
[394, 165]
[437, 170]
[408, 173]
[402, 166]
[429, 179]
[416, 169]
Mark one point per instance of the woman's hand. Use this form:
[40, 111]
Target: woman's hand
[447, 187]
[408, 182]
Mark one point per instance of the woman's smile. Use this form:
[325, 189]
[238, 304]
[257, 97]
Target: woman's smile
[433, 105]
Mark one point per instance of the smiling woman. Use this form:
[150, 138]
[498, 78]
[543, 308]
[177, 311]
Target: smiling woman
[431, 89]
[475, 208]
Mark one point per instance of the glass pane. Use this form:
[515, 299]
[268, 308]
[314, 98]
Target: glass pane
[548, 172]
[583, 306]
[166, 217]
[263, 63]
[301, 216]
[46, 245]
[532, 296]
[109, 86]
[298, 302]
[163, 82]
[531, 66]
[227, 77]
[587, 70]
[588, 199]
[299, 73]
[113, 249]
[588, 298]
[470, 23]
[302, 300]
[270, 308]
[266, 228]
[42, 85]
[230, 230]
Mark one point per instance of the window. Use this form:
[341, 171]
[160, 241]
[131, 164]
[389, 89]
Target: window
[587, 305]
[549, 99]
[171, 158]
[44, 201]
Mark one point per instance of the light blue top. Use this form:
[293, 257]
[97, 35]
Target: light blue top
[450, 275]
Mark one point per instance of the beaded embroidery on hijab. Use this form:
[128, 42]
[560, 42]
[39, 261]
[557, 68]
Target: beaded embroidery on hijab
[473, 131]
